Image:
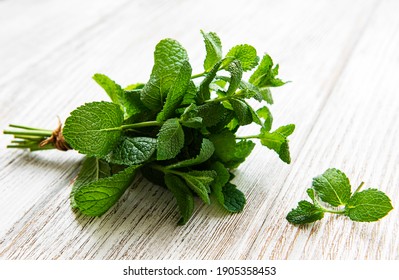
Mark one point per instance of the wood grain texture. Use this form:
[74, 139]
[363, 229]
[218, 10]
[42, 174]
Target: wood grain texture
[341, 57]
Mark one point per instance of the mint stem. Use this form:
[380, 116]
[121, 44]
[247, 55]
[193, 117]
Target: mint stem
[28, 127]
[238, 94]
[159, 168]
[332, 211]
[198, 75]
[29, 132]
[247, 137]
[359, 187]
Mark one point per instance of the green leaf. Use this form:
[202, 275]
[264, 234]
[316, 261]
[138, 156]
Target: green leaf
[213, 47]
[255, 118]
[242, 111]
[176, 93]
[223, 121]
[311, 193]
[265, 74]
[92, 170]
[211, 113]
[114, 91]
[265, 113]
[204, 92]
[227, 194]
[234, 199]
[94, 129]
[368, 206]
[246, 54]
[235, 70]
[134, 87]
[169, 57]
[277, 142]
[170, 139]
[251, 91]
[243, 149]
[184, 197]
[190, 95]
[199, 182]
[286, 130]
[135, 110]
[305, 213]
[266, 95]
[223, 176]
[190, 118]
[94, 199]
[132, 150]
[128, 100]
[206, 152]
[228, 151]
[333, 187]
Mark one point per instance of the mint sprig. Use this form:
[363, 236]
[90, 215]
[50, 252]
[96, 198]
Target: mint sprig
[331, 193]
[180, 129]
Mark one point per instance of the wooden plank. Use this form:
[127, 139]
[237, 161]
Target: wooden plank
[313, 48]
[29, 32]
[356, 132]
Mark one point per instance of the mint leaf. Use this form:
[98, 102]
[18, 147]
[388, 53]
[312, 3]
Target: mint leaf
[176, 92]
[251, 91]
[242, 111]
[136, 86]
[190, 118]
[128, 100]
[169, 57]
[213, 47]
[235, 70]
[190, 95]
[277, 142]
[305, 212]
[223, 121]
[132, 150]
[211, 113]
[204, 92]
[246, 54]
[184, 197]
[265, 113]
[223, 176]
[199, 182]
[255, 118]
[114, 91]
[286, 130]
[94, 199]
[234, 199]
[135, 110]
[170, 139]
[206, 152]
[265, 76]
[94, 129]
[333, 187]
[266, 95]
[227, 194]
[368, 206]
[92, 170]
[228, 151]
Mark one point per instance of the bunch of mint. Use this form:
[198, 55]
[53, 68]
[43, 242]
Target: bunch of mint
[178, 129]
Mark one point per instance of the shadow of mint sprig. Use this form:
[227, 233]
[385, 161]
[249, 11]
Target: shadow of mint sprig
[331, 193]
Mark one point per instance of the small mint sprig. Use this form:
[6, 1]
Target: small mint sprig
[331, 193]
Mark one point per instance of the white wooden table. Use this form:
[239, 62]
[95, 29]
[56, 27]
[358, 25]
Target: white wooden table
[341, 56]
